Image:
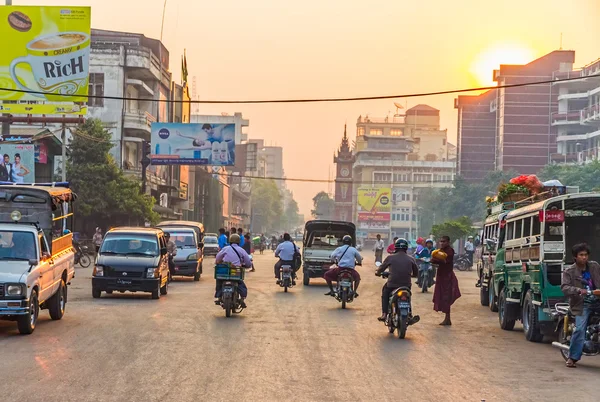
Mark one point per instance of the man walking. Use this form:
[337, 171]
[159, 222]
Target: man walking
[470, 250]
[378, 248]
[446, 285]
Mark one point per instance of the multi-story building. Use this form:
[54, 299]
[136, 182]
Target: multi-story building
[270, 161]
[578, 117]
[510, 128]
[407, 154]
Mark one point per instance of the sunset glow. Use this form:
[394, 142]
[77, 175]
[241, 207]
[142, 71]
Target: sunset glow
[490, 59]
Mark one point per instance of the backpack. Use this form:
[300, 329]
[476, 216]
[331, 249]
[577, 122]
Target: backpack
[297, 257]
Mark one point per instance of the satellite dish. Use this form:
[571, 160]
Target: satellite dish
[398, 106]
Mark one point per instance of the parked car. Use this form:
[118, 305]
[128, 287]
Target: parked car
[132, 259]
[188, 259]
[211, 245]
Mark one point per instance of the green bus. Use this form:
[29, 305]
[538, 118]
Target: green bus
[525, 250]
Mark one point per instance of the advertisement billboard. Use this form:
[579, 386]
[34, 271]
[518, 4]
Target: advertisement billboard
[193, 144]
[17, 162]
[374, 208]
[48, 55]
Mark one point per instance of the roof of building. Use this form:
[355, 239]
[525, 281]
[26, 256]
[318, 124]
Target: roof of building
[422, 107]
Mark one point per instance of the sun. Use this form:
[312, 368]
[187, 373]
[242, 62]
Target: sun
[490, 59]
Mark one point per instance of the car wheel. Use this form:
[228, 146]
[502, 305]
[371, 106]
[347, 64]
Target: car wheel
[531, 325]
[26, 323]
[156, 293]
[96, 293]
[305, 278]
[57, 303]
[505, 323]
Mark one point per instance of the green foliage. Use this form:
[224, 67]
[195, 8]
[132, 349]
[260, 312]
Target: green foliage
[106, 196]
[455, 229]
[267, 207]
[291, 217]
[586, 176]
[324, 206]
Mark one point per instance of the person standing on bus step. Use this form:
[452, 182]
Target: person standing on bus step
[97, 239]
[446, 285]
[378, 248]
[580, 282]
[470, 250]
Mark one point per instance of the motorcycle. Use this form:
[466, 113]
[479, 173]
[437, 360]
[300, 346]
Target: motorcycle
[286, 274]
[462, 262]
[566, 327]
[344, 290]
[81, 256]
[399, 315]
[230, 299]
[425, 275]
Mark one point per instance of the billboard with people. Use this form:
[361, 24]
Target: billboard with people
[193, 144]
[374, 207]
[18, 163]
[47, 61]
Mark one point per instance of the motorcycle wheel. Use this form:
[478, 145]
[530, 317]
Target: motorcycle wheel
[402, 326]
[462, 265]
[85, 261]
[562, 339]
[344, 298]
[390, 320]
[424, 282]
[227, 307]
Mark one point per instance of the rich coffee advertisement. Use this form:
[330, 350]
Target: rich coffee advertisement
[44, 63]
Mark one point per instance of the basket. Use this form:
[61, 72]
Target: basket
[228, 272]
[515, 197]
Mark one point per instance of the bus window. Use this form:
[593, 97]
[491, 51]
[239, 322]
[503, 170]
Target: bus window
[501, 236]
[510, 230]
[553, 232]
[527, 227]
[536, 227]
[518, 229]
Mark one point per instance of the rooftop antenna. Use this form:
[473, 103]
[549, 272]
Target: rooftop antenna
[560, 42]
[398, 107]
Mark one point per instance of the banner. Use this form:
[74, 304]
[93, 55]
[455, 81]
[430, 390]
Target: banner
[374, 208]
[47, 50]
[193, 144]
[17, 163]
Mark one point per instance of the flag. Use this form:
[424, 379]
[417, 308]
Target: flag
[184, 70]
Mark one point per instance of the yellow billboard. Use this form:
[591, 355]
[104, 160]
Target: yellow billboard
[374, 204]
[45, 59]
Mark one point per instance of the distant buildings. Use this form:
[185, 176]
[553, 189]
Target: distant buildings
[511, 128]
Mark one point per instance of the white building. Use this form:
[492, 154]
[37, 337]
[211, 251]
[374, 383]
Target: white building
[270, 161]
[578, 115]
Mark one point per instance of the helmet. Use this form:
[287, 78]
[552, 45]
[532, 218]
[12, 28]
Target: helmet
[420, 240]
[234, 239]
[66, 232]
[401, 244]
[470, 237]
[429, 241]
[347, 239]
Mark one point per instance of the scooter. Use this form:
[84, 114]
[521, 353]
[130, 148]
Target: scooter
[425, 274]
[230, 298]
[286, 275]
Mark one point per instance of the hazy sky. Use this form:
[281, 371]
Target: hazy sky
[274, 49]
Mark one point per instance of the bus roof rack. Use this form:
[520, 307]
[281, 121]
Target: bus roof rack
[64, 184]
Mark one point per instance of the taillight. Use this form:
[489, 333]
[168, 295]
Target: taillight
[403, 298]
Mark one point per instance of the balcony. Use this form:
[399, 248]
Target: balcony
[559, 118]
[591, 114]
[139, 123]
[144, 90]
[582, 157]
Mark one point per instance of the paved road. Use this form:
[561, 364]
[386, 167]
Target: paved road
[298, 346]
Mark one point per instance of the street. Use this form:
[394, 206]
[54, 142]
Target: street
[299, 346]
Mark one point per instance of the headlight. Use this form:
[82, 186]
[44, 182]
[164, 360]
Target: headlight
[193, 256]
[14, 290]
[152, 273]
[98, 270]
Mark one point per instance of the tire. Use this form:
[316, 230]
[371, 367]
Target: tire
[424, 282]
[85, 261]
[109, 292]
[484, 296]
[26, 323]
[156, 293]
[531, 325]
[305, 278]
[462, 265]
[96, 293]
[562, 339]
[402, 326]
[505, 323]
[165, 289]
[227, 307]
[492, 302]
[197, 276]
[344, 298]
[58, 302]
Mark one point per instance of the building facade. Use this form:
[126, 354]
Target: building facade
[344, 161]
[514, 123]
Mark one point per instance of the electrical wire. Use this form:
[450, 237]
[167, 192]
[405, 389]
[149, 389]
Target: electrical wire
[313, 100]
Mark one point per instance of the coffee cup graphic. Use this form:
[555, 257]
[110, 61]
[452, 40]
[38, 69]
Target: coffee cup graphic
[59, 63]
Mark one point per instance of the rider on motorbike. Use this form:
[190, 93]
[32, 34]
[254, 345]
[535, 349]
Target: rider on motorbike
[580, 281]
[285, 252]
[425, 253]
[172, 251]
[401, 266]
[346, 257]
[238, 257]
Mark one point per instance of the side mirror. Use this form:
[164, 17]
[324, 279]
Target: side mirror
[378, 264]
[163, 251]
[33, 262]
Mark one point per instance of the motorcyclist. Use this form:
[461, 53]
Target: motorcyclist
[172, 251]
[285, 252]
[75, 243]
[392, 247]
[346, 258]
[581, 282]
[401, 267]
[238, 257]
[425, 253]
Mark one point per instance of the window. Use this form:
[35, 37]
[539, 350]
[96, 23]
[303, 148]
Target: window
[536, 229]
[375, 131]
[422, 178]
[527, 227]
[382, 177]
[251, 156]
[124, 244]
[396, 132]
[96, 88]
[518, 229]
[360, 131]
[510, 230]
[401, 177]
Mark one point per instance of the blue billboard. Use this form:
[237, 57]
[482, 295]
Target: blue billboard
[193, 144]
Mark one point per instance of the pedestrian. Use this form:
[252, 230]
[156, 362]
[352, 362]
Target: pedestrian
[446, 285]
[222, 240]
[97, 239]
[392, 247]
[470, 250]
[378, 249]
[240, 232]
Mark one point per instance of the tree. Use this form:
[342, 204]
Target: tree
[267, 207]
[291, 216]
[586, 176]
[324, 206]
[455, 229]
[106, 196]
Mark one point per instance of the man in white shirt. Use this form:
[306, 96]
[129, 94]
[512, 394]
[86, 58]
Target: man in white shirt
[470, 249]
[378, 248]
[285, 252]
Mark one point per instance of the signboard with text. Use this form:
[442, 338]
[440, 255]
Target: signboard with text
[374, 208]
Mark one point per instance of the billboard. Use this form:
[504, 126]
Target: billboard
[17, 162]
[374, 208]
[193, 144]
[48, 54]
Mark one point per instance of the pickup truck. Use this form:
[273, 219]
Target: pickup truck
[321, 238]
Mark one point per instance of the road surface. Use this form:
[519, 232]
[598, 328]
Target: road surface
[298, 346]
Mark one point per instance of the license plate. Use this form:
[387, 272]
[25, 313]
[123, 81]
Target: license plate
[228, 290]
[404, 305]
[123, 282]
[286, 275]
[345, 283]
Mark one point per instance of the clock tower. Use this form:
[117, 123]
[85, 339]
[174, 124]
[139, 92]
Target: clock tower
[344, 160]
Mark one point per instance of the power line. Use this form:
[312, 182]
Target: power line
[312, 100]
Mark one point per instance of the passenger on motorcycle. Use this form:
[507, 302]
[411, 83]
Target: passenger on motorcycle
[581, 282]
[172, 251]
[238, 257]
[392, 247]
[285, 252]
[346, 258]
[401, 267]
[423, 265]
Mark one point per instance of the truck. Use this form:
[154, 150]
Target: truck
[37, 258]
